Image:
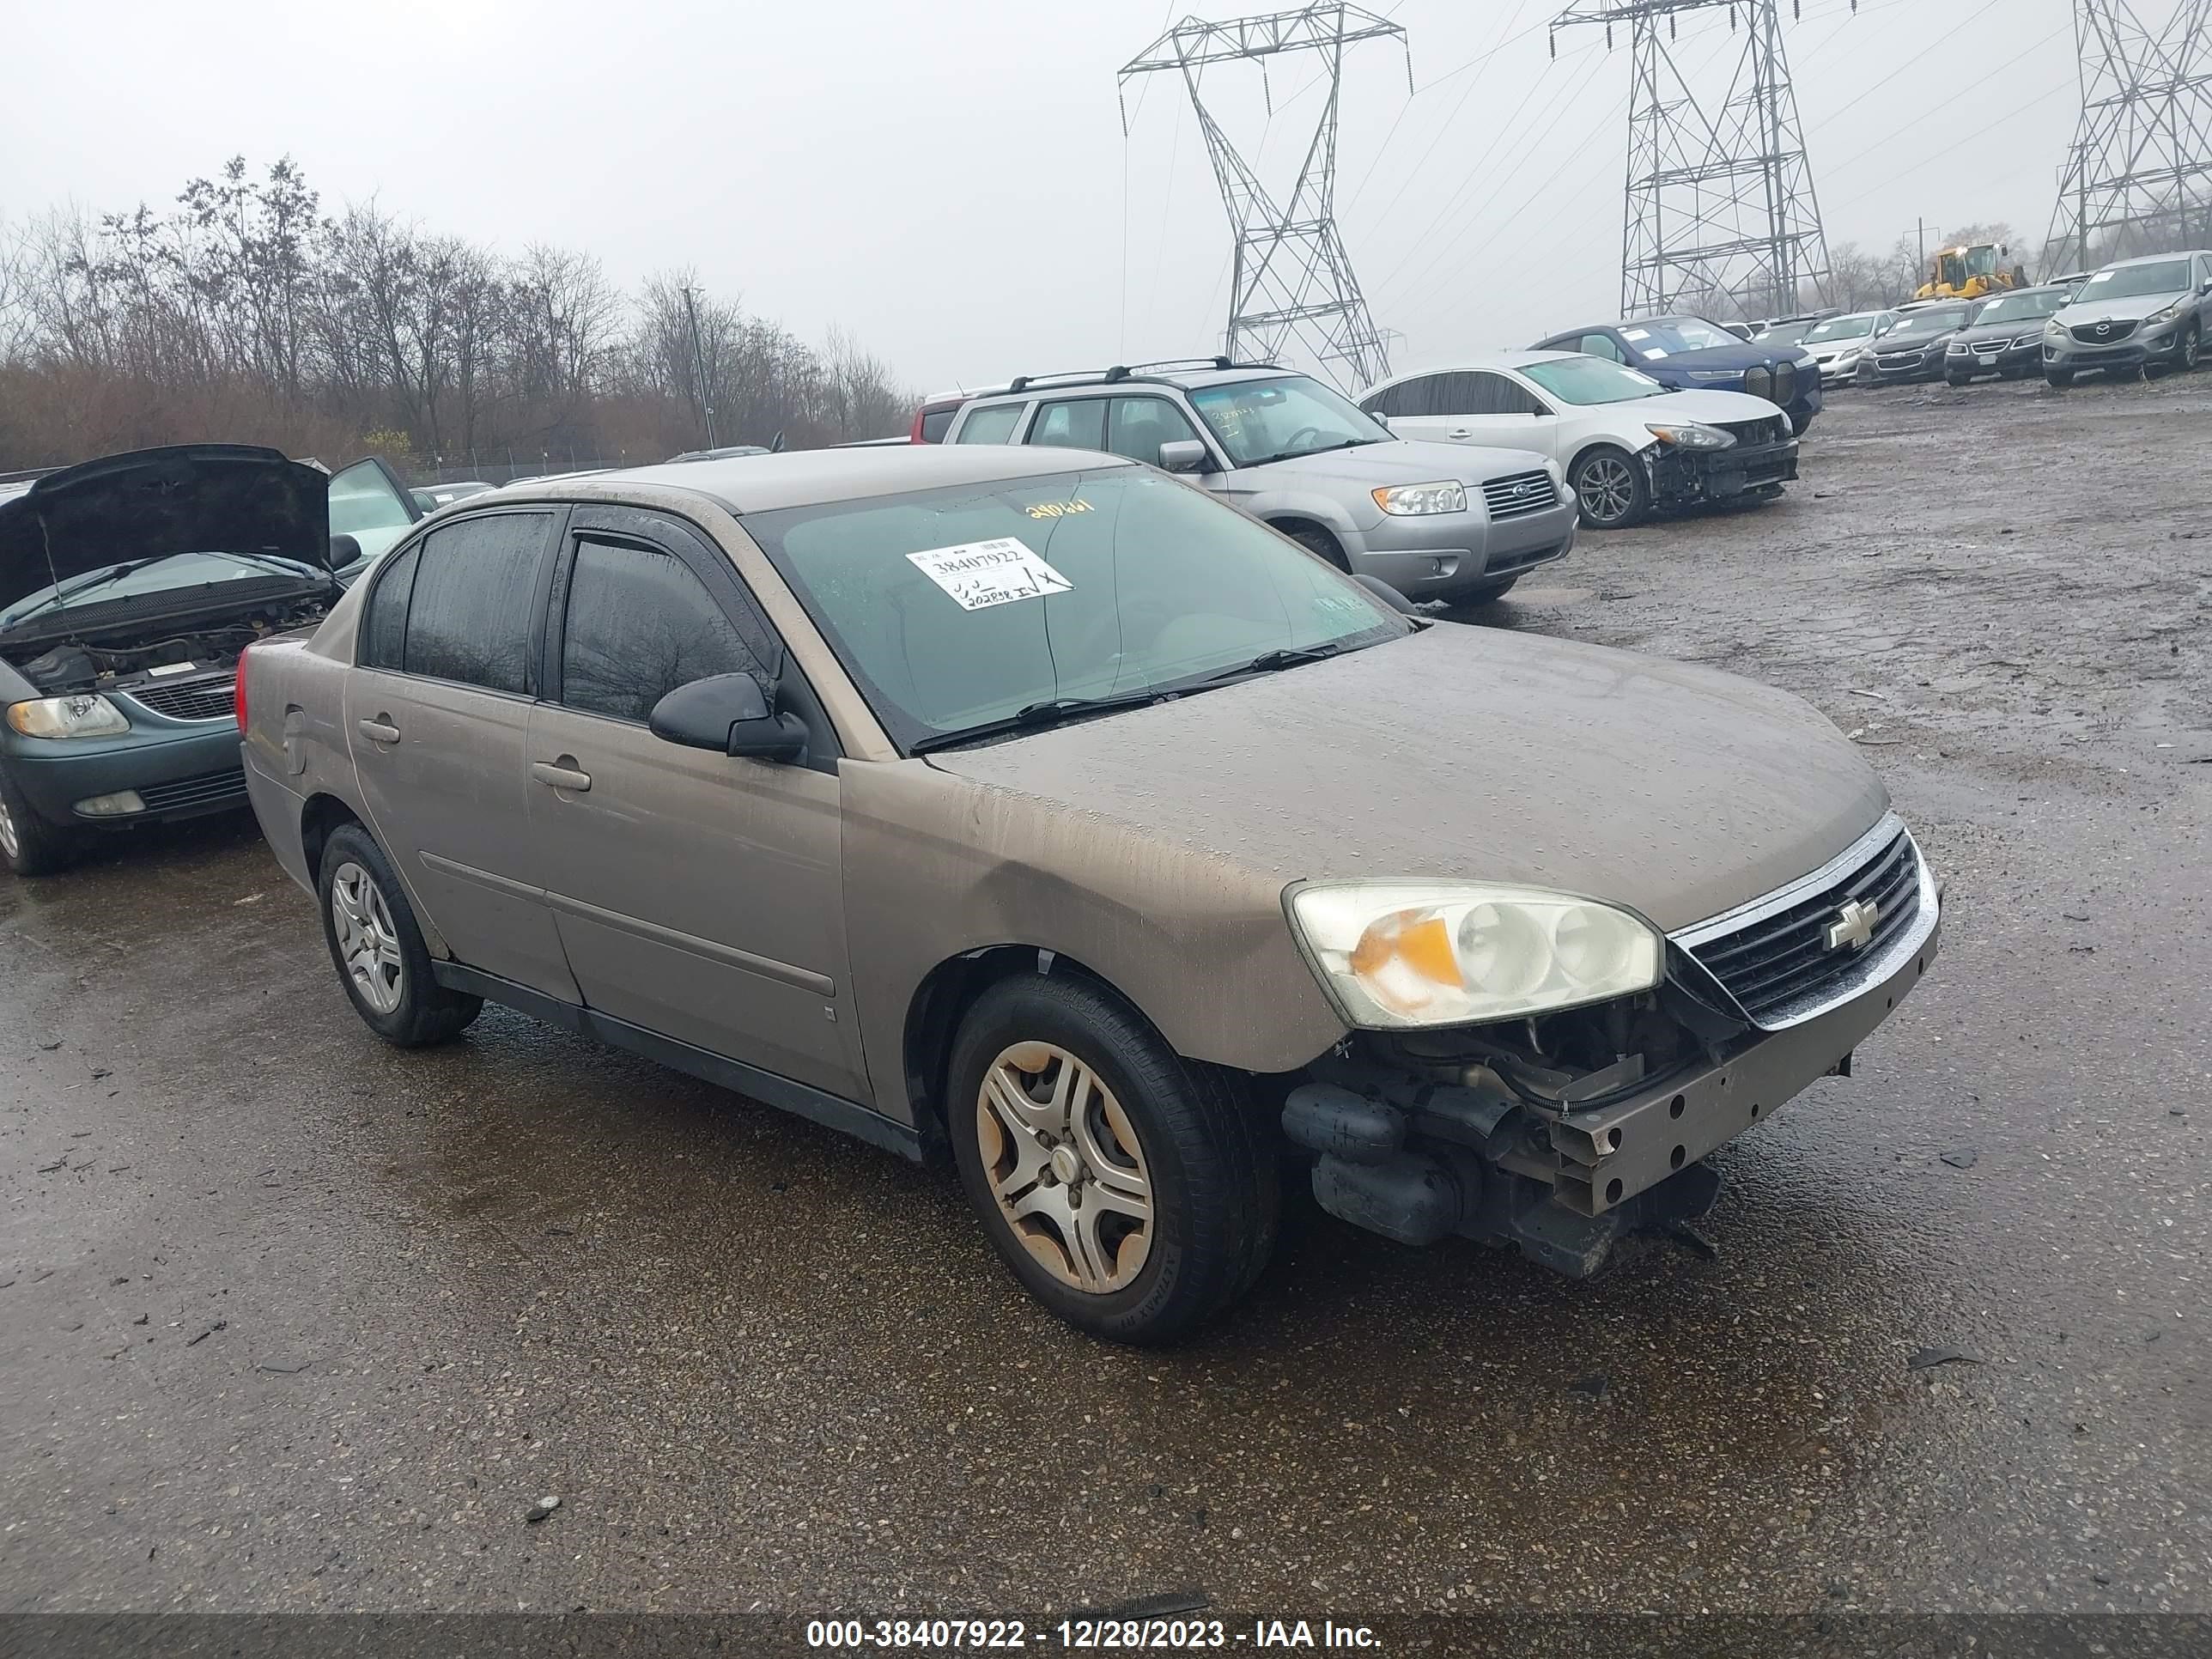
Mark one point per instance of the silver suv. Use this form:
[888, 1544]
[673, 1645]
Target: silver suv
[2132, 318]
[1435, 521]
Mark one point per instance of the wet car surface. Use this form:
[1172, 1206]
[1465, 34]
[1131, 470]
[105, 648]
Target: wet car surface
[1949, 1349]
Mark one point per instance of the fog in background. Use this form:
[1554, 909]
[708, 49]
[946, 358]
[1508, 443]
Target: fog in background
[950, 185]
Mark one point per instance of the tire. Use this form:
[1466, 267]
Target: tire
[1958, 381]
[1204, 1164]
[380, 955]
[2192, 349]
[30, 845]
[1489, 592]
[2058, 378]
[1611, 489]
[1319, 542]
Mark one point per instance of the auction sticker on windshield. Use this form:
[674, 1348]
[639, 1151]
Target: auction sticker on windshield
[978, 574]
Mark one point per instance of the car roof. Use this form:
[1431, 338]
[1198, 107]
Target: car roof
[811, 478]
[1078, 382]
[1515, 359]
[2154, 258]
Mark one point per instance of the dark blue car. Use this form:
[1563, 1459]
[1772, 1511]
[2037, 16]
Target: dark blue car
[1688, 354]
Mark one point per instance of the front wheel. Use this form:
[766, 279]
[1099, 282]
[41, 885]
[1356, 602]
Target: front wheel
[2059, 378]
[1490, 592]
[1611, 489]
[1133, 1194]
[378, 950]
[31, 846]
[1317, 541]
[2192, 347]
[1959, 380]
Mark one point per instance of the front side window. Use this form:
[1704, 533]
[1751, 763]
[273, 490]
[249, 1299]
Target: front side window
[1074, 423]
[954, 607]
[639, 624]
[1601, 345]
[1257, 422]
[995, 425]
[469, 616]
[1138, 427]
[1500, 394]
[1589, 381]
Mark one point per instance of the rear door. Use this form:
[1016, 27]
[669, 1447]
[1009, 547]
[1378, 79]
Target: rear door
[1489, 408]
[1413, 407]
[697, 896]
[437, 713]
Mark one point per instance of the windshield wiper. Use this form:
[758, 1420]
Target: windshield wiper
[1038, 716]
[1318, 449]
[1267, 662]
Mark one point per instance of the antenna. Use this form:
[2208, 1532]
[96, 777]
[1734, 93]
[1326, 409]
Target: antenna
[1720, 203]
[1293, 283]
[2140, 171]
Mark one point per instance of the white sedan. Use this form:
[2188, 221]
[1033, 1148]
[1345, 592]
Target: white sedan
[1627, 444]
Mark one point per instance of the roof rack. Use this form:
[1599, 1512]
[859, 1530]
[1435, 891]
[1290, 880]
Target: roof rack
[1141, 372]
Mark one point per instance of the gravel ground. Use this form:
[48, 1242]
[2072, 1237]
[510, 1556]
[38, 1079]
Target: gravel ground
[294, 1321]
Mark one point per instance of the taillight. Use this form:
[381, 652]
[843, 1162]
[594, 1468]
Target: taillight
[238, 691]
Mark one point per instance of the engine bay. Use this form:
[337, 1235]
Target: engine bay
[122, 658]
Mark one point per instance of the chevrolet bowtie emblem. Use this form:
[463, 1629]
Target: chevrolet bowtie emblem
[1854, 926]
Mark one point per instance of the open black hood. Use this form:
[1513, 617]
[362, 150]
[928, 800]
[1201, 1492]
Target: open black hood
[189, 498]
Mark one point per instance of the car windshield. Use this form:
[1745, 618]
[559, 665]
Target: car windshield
[2133, 281]
[2021, 308]
[1785, 333]
[1592, 380]
[956, 607]
[1935, 317]
[1287, 415]
[1844, 328]
[1663, 336]
[129, 580]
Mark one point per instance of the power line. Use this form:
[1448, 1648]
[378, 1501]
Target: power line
[2139, 168]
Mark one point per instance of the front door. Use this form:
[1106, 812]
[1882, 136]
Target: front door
[697, 896]
[437, 718]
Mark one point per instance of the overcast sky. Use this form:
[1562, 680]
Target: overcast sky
[949, 183]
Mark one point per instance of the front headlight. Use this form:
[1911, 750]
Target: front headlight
[1398, 954]
[1957, 349]
[2161, 319]
[2054, 330]
[83, 716]
[1413, 501]
[1688, 434]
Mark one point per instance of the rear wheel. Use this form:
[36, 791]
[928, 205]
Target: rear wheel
[2193, 347]
[31, 846]
[378, 950]
[1610, 488]
[1133, 1192]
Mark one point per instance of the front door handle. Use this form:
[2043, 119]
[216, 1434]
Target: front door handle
[1463, 432]
[379, 730]
[556, 776]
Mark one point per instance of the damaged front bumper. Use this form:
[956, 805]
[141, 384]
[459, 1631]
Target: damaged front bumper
[1682, 478]
[1418, 1159]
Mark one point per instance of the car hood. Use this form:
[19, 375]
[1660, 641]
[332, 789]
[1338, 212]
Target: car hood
[1469, 753]
[1913, 339]
[1979, 332]
[1714, 359]
[1401, 460]
[1713, 408]
[1827, 349]
[190, 498]
[2133, 308]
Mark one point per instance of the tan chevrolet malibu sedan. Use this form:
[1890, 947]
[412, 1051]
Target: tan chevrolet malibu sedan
[1030, 810]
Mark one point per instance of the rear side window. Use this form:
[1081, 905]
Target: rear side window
[1076, 423]
[469, 619]
[383, 630]
[995, 425]
[639, 624]
[936, 422]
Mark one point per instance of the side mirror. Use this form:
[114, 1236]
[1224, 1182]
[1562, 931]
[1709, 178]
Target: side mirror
[1183, 455]
[1379, 418]
[345, 550]
[728, 713]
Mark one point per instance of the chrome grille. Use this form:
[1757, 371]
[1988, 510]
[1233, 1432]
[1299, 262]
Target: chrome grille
[1896, 359]
[2102, 333]
[1519, 494]
[198, 700]
[208, 789]
[1780, 956]
[1758, 383]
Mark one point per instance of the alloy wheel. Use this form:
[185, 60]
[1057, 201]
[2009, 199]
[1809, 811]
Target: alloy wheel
[2192, 348]
[368, 943]
[1065, 1165]
[11, 844]
[1605, 489]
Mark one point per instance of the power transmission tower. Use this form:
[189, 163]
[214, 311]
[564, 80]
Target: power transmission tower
[2140, 171]
[1293, 283]
[1721, 210]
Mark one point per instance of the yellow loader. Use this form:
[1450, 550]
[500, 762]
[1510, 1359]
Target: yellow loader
[1968, 273]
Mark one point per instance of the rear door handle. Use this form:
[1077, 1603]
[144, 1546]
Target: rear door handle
[378, 731]
[560, 777]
